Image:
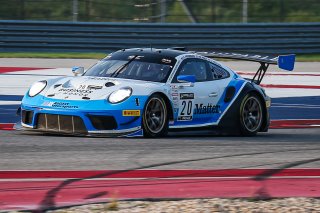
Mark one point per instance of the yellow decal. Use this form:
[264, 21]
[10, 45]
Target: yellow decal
[130, 112]
[268, 103]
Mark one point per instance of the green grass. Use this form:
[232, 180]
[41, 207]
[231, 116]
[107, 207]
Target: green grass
[308, 57]
[300, 57]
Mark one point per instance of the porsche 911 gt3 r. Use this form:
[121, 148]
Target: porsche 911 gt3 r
[148, 92]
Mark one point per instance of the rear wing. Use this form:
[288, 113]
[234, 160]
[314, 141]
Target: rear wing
[285, 62]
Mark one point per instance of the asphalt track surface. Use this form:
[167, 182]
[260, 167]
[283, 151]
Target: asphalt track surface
[279, 148]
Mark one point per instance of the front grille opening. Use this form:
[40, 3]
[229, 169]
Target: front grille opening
[27, 116]
[52, 122]
[66, 123]
[41, 121]
[61, 123]
[103, 122]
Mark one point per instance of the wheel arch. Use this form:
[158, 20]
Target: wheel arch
[168, 104]
[228, 122]
[265, 114]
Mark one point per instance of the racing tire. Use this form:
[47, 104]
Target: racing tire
[251, 115]
[155, 117]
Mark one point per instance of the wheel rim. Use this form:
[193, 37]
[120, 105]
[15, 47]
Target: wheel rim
[155, 115]
[252, 114]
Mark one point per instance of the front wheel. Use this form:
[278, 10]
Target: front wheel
[155, 117]
[250, 115]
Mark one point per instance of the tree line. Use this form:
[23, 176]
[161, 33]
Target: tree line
[202, 11]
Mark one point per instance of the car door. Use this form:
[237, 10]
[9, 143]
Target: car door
[192, 101]
[220, 81]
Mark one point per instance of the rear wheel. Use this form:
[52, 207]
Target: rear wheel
[155, 117]
[250, 115]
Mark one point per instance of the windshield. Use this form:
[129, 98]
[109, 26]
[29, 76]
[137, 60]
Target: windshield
[132, 69]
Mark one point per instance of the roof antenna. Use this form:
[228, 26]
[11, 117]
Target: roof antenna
[151, 46]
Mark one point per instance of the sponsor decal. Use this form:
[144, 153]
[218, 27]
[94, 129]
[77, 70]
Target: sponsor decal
[231, 54]
[175, 91]
[268, 103]
[184, 96]
[137, 101]
[47, 103]
[130, 112]
[136, 57]
[59, 105]
[78, 92]
[164, 60]
[175, 94]
[184, 118]
[94, 87]
[208, 109]
[82, 87]
[174, 87]
[98, 78]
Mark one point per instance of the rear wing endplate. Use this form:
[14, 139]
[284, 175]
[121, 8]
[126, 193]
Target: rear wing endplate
[285, 62]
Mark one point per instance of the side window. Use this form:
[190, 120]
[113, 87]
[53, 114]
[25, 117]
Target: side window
[195, 67]
[218, 72]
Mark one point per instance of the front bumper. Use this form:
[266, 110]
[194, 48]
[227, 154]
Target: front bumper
[82, 117]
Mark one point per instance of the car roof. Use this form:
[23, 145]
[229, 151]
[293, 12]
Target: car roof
[163, 52]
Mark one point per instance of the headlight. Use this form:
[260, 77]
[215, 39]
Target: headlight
[36, 88]
[120, 95]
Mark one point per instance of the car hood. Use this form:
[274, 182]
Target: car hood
[95, 88]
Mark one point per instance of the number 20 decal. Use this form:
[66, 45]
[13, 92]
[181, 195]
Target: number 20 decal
[186, 108]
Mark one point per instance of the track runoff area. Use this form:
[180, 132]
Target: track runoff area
[230, 173]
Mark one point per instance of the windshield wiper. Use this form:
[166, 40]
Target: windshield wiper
[118, 71]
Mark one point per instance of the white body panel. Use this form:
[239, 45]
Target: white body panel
[75, 88]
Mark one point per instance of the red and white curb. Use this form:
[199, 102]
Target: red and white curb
[6, 126]
[280, 74]
[181, 173]
[295, 124]
[18, 69]
[40, 190]
[288, 86]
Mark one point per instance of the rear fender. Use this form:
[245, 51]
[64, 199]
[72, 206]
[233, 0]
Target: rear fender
[231, 121]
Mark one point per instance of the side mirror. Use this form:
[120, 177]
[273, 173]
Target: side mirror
[190, 79]
[77, 70]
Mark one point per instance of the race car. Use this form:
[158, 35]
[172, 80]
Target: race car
[148, 92]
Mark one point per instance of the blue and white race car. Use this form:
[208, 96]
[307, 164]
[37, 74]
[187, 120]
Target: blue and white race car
[148, 92]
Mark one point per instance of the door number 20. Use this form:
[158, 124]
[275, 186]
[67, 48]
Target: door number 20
[186, 108]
